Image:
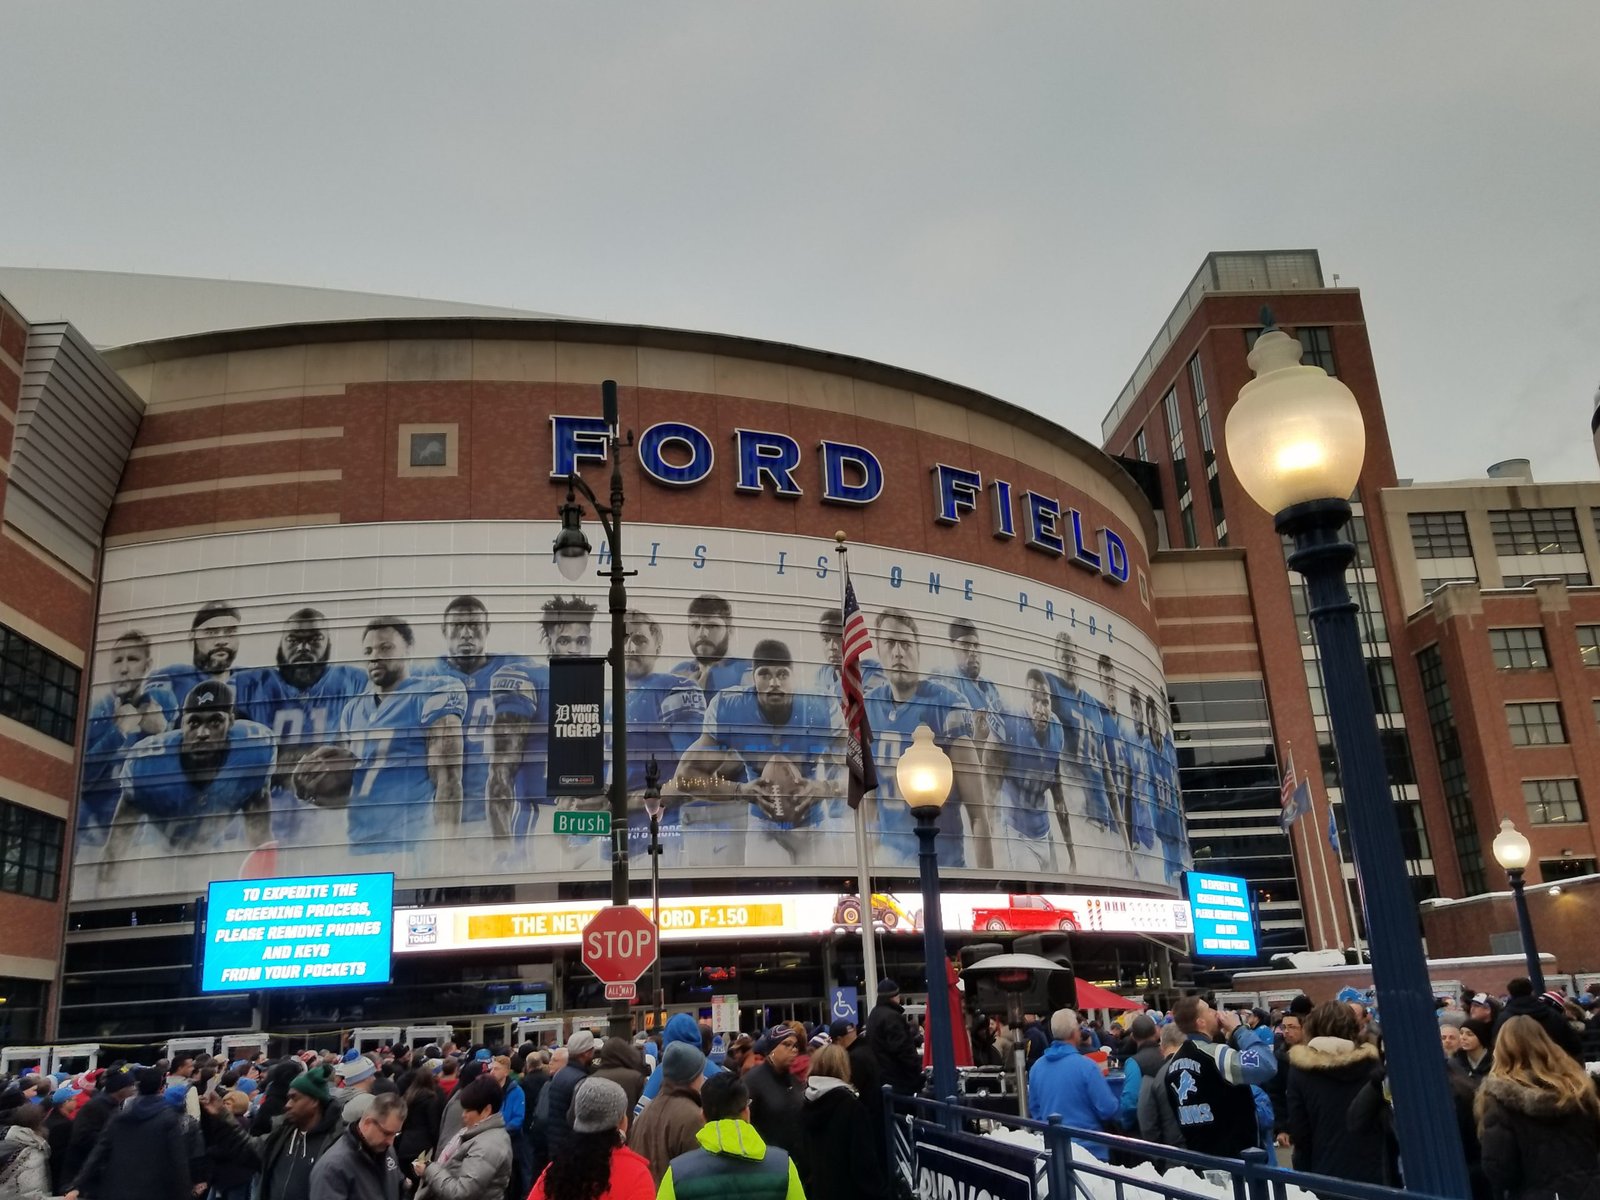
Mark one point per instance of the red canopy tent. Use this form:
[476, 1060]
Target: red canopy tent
[1090, 996]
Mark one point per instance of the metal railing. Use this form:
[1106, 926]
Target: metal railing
[931, 1141]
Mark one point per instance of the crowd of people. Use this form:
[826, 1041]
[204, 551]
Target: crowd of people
[795, 1111]
[798, 1111]
[1311, 1083]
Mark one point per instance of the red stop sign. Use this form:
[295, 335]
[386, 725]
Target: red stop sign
[619, 944]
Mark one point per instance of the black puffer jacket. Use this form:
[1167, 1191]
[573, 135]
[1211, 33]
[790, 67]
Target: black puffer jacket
[891, 1039]
[1535, 1149]
[1325, 1075]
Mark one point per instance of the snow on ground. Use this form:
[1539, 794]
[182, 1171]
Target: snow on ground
[1216, 1183]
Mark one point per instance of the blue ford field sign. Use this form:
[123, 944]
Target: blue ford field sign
[311, 931]
[1224, 919]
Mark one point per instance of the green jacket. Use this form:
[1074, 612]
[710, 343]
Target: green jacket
[733, 1163]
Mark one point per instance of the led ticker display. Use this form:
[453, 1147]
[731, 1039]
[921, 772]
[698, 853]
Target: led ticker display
[309, 931]
[1224, 918]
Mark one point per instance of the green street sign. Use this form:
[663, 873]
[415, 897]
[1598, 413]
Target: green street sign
[583, 824]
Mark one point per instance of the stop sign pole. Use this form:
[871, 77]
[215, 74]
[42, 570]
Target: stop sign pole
[619, 944]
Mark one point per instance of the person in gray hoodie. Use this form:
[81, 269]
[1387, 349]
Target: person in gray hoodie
[476, 1163]
[623, 1063]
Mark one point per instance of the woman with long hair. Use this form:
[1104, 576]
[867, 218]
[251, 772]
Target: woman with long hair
[839, 1159]
[1326, 1074]
[424, 1104]
[1538, 1119]
[592, 1163]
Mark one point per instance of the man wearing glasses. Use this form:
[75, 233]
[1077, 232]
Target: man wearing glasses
[361, 1165]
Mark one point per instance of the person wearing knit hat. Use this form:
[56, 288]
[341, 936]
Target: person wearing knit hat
[358, 1074]
[599, 1118]
[247, 1086]
[669, 1125]
[580, 1043]
[64, 1105]
[285, 1156]
[1476, 1058]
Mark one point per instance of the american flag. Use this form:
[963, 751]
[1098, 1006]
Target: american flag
[858, 731]
[1296, 798]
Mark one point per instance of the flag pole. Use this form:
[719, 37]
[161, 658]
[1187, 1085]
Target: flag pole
[1311, 868]
[869, 948]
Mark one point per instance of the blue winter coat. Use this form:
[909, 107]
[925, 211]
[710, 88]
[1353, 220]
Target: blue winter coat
[1066, 1082]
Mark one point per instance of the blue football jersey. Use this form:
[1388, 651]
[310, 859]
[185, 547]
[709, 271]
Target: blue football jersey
[300, 720]
[154, 782]
[478, 728]
[948, 714]
[665, 713]
[734, 724]
[105, 749]
[1034, 767]
[730, 672]
[1083, 745]
[391, 794]
[984, 697]
[827, 683]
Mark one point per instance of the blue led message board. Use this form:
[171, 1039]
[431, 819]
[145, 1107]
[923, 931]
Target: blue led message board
[307, 931]
[1224, 917]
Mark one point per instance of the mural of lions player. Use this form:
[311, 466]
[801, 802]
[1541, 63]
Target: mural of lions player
[710, 631]
[190, 782]
[465, 627]
[1084, 756]
[1031, 753]
[830, 625]
[520, 752]
[762, 745]
[895, 708]
[213, 646]
[1119, 759]
[988, 712]
[1169, 803]
[397, 767]
[1142, 774]
[132, 712]
[665, 713]
[301, 701]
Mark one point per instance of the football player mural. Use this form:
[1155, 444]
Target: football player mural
[302, 723]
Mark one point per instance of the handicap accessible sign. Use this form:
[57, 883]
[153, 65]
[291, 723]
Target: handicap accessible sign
[845, 1006]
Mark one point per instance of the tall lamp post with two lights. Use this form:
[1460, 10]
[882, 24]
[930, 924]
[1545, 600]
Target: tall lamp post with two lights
[1296, 441]
[572, 559]
[1512, 852]
[925, 775]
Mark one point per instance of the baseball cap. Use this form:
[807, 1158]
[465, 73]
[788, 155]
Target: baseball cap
[840, 1028]
[209, 695]
[581, 1042]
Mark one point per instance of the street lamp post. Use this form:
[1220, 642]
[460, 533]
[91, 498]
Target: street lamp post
[925, 775]
[1296, 440]
[1512, 852]
[572, 559]
[652, 806]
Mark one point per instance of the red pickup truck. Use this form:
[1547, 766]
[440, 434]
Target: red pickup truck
[1024, 914]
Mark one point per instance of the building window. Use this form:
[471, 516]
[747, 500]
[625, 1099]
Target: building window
[1535, 531]
[1536, 724]
[1180, 468]
[1518, 649]
[1141, 447]
[1385, 687]
[1589, 645]
[37, 688]
[1202, 409]
[30, 851]
[1452, 770]
[1440, 535]
[1570, 578]
[1553, 801]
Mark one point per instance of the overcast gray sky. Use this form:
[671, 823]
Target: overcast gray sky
[1007, 195]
